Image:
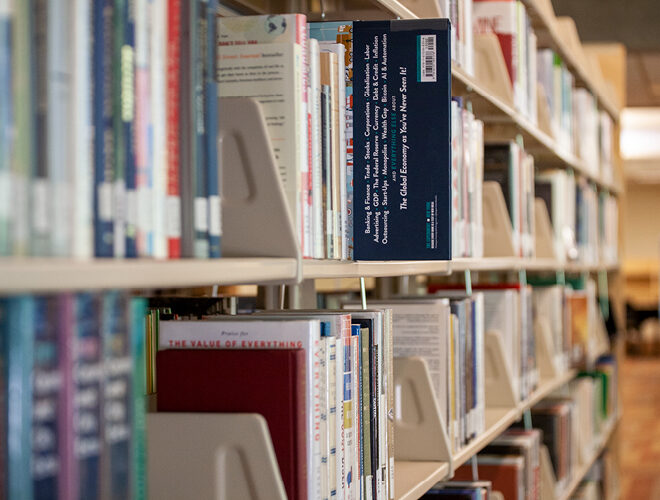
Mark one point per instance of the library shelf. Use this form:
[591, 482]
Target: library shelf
[497, 421]
[526, 264]
[53, 274]
[547, 387]
[313, 269]
[413, 479]
[583, 468]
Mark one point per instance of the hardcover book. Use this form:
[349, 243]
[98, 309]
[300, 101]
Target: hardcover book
[281, 400]
[402, 157]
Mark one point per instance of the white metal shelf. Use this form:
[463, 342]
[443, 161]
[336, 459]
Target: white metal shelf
[355, 269]
[52, 274]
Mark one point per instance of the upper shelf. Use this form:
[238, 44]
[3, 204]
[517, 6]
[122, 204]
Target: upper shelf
[52, 274]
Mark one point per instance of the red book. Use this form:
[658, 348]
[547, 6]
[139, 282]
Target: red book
[499, 17]
[270, 382]
[173, 96]
[505, 472]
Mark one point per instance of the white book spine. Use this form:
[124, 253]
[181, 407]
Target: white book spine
[59, 124]
[323, 391]
[339, 420]
[82, 136]
[331, 368]
[315, 167]
[158, 154]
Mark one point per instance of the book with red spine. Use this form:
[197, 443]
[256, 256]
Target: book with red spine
[173, 101]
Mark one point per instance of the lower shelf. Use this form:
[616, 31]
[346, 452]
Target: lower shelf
[413, 479]
[584, 467]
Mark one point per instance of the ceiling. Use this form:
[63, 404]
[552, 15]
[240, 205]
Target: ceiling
[635, 23]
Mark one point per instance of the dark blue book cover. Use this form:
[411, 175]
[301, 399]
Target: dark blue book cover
[137, 322]
[102, 42]
[128, 118]
[3, 398]
[19, 332]
[117, 397]
[402, 139]
[46, 399]
[211, 133]
[88, 380]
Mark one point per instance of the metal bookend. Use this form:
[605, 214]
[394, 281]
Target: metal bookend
[543, 238]
[419, 428]
[499, 380]
[211, 456]
[498, 233]
[545, 354]
[256, 221]
[490, 67]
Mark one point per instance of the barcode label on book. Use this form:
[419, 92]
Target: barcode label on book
[426, 62]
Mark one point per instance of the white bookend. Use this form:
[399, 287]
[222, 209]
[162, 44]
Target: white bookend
[252, 194]
[499, 382]
[418, 425]
[490, 67]
[498, 233]
[216, 456]
[548, 479]
[544, 235]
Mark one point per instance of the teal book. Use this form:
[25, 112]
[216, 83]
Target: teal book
[19, 315]
[137, 319]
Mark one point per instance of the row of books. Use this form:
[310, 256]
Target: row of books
[71, 393]
[327, 400]
[113, 119]
[584, 221]
[576, 123]
[602, 480]
[569, 427]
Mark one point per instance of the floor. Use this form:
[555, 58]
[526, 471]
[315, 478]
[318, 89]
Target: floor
[639, 437]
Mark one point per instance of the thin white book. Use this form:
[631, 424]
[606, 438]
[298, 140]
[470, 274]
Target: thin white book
[261, 332]
[314, 99]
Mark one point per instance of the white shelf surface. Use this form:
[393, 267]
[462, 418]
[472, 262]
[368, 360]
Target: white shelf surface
[347, 269]
[546, 387]
[413, 479]
[582, 469]
[52, 274]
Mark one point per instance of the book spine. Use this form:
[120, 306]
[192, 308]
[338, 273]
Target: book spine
[211, 146]
[326, 169]
[143, 157]
[118, 129]
[6, 124]
[173, 102]
[345, 36]
[365, 418]
[304, 151]
[198, 137]
[20, 314]
[87, 379]
[331, 350]
[68, 466]
[18, 178]
[339, 419]
[104, 140]
[349, 444]
[136, 337]
[59, 120]
[356, 408]
[117, 396]
[3, 399]
[128, 119]
[46, 389]
[82, 217]
[323, 428]
[159, 113]
[315, 149]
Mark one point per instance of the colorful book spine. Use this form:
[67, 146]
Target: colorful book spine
[118, 73]
[22, 235]
[102, 109]
[211, 146]
[19, 317]
[6, 122]
[46, 392]
[138, 468]
[87, 382]
[173, 102]
[128, 121]
[117, 397]
[198, 61]
[68, 466]
[143, 137]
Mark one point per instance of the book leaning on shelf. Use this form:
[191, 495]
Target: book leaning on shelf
[345, 447]
[72, 392]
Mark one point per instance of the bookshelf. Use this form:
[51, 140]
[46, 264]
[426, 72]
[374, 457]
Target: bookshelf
[412, 478]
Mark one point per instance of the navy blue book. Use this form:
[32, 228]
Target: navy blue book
[402, 139]
[102, 40]
[3, 398]
[46, 394]
[88, 380]
[128, 118]
[117, 397]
